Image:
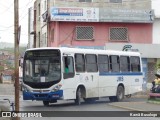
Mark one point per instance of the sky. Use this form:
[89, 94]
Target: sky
[7, 19]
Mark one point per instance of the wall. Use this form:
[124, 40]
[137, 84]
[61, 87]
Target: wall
[128, 4]
[137, 33]
[156, 31]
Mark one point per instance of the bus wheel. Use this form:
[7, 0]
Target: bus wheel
[120, 93]
[78, 97]
[46, 103]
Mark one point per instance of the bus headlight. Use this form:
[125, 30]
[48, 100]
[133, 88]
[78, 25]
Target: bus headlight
[26, 89]
[57, 87]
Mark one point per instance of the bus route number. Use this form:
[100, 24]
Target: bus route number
[120, 78]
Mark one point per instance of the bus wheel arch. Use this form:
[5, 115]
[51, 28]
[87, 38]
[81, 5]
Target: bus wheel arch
[80, 94]
[120, 92]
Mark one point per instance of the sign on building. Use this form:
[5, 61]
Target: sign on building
[126, 15]
[74, 14]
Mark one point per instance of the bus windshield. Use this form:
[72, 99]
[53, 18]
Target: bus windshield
[42, 66]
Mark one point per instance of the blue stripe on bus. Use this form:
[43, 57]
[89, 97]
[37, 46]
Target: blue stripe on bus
[116, 73]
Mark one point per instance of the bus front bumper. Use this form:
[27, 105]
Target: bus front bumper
[49, 96]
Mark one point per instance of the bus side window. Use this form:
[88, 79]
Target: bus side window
[124, 64]
[114, 63]
[68, 67]
[135, 64]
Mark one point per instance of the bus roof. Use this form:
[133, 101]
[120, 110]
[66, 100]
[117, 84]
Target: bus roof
[88, 51]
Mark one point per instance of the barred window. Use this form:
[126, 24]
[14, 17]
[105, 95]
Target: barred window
[85, 0]
[84, 33]
[115, 1]
[118, 34]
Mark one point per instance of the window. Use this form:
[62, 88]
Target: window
[85, 0]
[68, 67]
[115, 1]
[135, 64]
[124, 64]
[103, 63]
[39, 39]
[91, 63]
[79, 63]
[84, 33]
[39, 12]
[118, 34]
[114, 63]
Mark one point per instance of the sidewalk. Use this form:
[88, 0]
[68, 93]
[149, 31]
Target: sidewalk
[137, 106]
[7, 89]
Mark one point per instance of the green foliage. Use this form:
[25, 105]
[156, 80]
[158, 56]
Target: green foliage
[1, 68]
[11, 50]
[158, 65]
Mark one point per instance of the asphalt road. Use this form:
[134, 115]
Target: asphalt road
[102, 105]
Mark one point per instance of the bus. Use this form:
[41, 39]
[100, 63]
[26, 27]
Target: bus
[57, 73]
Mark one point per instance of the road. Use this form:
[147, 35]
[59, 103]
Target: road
[102, 105]
[99, 106]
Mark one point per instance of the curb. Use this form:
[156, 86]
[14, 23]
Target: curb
[153, 102]
[132, 109]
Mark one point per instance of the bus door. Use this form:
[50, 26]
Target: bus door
[68, 77]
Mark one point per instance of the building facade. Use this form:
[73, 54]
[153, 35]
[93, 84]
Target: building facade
[65, 22]
[93, 23]
[156, 31]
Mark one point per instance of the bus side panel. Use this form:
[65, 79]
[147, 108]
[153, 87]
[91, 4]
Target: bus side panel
[107, 85]
[136, 84]
[88, 80]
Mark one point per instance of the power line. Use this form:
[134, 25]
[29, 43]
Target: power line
[21, 17]
[7, 8]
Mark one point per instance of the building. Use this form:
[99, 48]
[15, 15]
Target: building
[65, 22]
[93, 23]
[156, 31]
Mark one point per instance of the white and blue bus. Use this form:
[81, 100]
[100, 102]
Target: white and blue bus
[51, 74]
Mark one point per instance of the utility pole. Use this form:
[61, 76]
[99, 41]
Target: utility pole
[16, 53]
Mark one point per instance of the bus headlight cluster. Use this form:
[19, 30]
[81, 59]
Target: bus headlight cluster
[57, 87]
[26, 89]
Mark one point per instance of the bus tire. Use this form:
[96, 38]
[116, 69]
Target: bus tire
[46, 103]
[120, 93]
[78, 96]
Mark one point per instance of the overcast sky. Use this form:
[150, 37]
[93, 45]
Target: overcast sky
[7, 18]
